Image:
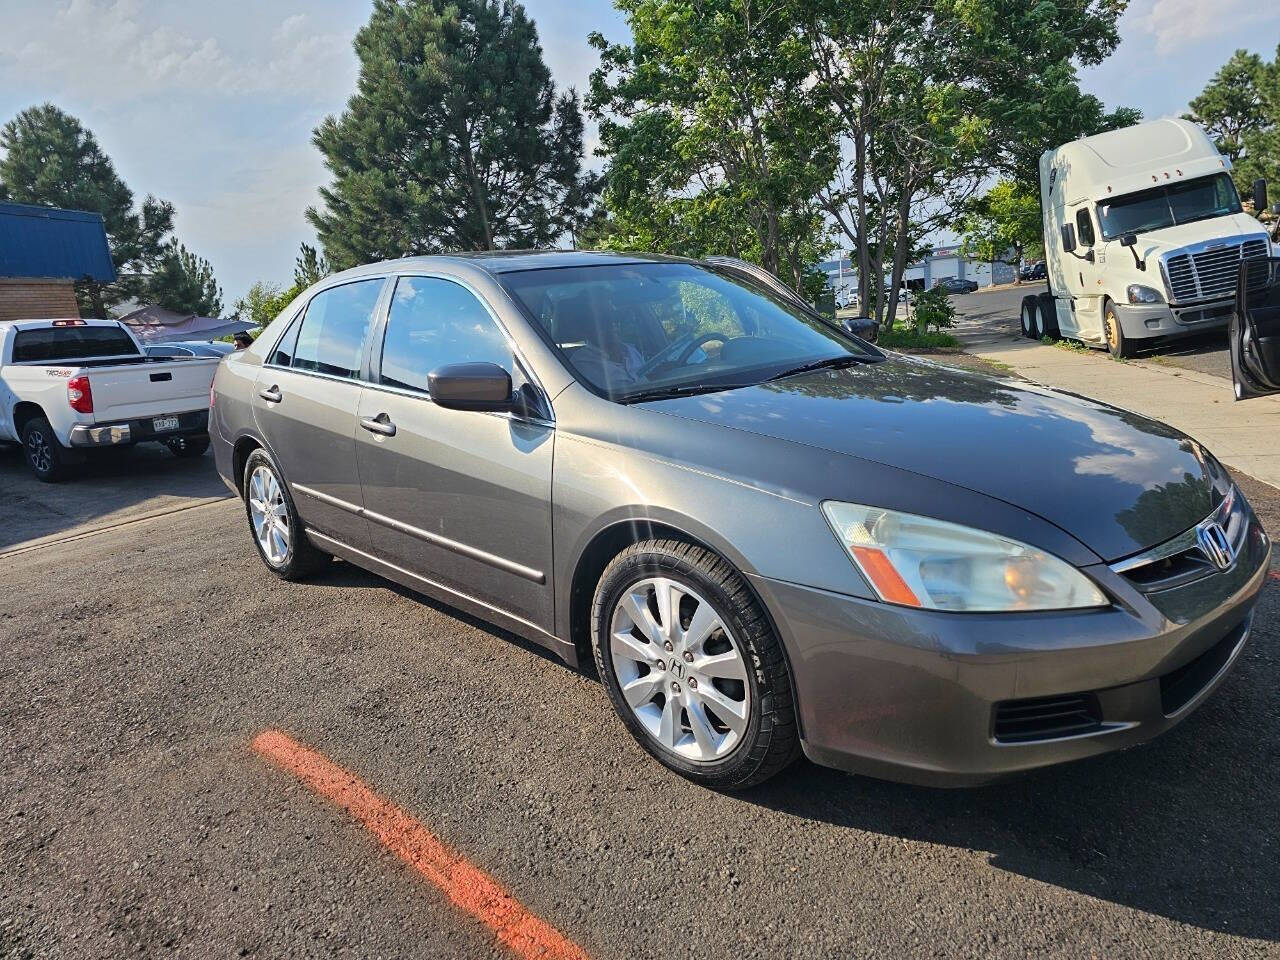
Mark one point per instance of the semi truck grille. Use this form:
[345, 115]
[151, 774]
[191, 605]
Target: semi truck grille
[1209, 273]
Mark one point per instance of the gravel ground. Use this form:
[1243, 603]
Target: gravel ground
[141, 661]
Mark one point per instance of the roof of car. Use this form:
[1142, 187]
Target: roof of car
[511, 261]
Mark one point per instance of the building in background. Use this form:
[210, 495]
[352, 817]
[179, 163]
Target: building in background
[43, 252]
[940, 262]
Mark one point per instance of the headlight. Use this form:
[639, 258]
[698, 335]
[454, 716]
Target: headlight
[1140, 294]
[919, 562]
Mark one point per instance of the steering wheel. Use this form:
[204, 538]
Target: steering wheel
[686, 348]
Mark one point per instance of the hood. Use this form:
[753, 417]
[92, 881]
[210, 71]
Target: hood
[1236, 226]
[1117, 482]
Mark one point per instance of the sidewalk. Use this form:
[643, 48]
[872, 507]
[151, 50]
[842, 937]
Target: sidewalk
[1244, 435]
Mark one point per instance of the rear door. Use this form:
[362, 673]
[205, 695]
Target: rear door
[305, 406]
[459, 497]
[1255, 330]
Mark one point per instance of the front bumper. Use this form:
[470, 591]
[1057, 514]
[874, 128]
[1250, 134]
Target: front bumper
[125, 432]
[913, 695]
[1141, 321]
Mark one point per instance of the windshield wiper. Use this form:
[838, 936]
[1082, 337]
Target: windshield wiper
[830, 363]
[678, 390]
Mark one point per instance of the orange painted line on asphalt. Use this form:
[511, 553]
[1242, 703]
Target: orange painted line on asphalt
[467, 886]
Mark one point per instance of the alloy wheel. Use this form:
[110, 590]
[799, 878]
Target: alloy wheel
[680, 670]
[38, 451]
[269, 514]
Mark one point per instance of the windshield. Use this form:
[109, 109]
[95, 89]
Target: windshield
[636, 330]
[1186, 202]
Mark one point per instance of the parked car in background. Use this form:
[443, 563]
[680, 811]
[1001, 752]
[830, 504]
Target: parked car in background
[769, 535]
[68, 387]
[1032, 271]
[955, 285]
[189, 348]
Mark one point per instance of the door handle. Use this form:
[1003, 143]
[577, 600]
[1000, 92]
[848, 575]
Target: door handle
[272, 394]
[380, 424]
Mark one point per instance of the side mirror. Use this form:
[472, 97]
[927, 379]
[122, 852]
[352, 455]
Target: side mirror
[1129, 240]
[1259, 195]
[1068, 238]
[864, 327]
[471, 386]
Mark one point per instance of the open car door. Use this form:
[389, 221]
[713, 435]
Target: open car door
[1255, 329]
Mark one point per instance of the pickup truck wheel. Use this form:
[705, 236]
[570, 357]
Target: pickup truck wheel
[188, 446]
[693, 666]
[273, 522]
[43, 451]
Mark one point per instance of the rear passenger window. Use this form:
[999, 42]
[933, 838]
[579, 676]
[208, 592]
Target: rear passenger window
[434, 322]
[331, 339]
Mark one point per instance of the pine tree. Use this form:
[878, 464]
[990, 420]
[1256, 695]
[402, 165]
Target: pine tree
[183, 283]
[456, 138]
[51, 159]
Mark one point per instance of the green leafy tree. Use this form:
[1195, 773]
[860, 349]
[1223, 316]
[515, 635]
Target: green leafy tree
[934, 310]
[1003, 225]
[455, 139]
[1261, 154]
[50, 158]
[932, 95]
[184, 283]
[263, 302]
[714, 143]
[1231, 106]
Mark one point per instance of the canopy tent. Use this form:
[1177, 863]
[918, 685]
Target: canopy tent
[153, 324]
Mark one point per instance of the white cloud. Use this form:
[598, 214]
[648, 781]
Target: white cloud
[117, 50]
[1178, 24]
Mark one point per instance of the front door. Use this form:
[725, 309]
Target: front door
[305, 405]
[461, 498]
[1084, 276]
[1255, 330]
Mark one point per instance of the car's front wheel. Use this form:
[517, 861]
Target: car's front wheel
[273, 521]
[693, 665]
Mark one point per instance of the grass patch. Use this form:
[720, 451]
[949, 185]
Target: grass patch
[908, 338]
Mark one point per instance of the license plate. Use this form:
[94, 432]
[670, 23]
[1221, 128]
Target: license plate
[161, 424]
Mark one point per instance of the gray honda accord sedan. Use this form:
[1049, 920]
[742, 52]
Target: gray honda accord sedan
[770, 536]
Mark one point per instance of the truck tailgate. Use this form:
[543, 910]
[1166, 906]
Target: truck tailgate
[136, 391]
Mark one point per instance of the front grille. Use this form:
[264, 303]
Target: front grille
[1209, 273]
[1181, 560]
[1180, 687]
[1047, 718]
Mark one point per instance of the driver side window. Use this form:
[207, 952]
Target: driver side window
[1084, 227]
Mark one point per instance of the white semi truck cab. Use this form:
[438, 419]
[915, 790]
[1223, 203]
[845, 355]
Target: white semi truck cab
[1144, 234]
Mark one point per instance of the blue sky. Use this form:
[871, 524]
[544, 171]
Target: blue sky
[211, 105]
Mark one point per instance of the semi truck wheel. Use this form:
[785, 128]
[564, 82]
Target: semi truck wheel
[1030, 315]
[1117, 344]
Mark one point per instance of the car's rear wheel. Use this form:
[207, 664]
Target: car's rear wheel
[693, 666]
[43, 452]
[273, 521]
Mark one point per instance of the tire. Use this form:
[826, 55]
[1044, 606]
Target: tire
[1029, 316]
[188, 447]
[298, 558]
[739, 662]
[1048, 308]
[43, 452]
[1118, 345]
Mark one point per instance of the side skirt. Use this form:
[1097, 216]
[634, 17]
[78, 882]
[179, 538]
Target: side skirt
[477, 608]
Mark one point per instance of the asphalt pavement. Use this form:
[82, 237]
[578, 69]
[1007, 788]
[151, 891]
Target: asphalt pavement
[144, 662]
[996, 314]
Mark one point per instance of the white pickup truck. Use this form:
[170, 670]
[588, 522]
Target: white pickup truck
[71, 386]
